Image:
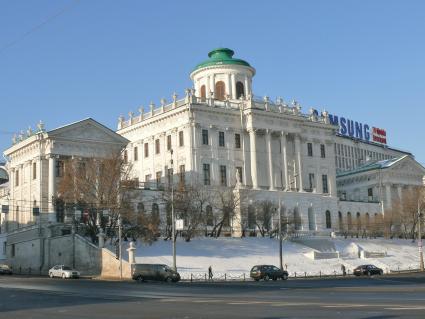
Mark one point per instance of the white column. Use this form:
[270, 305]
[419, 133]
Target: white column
[229, 87]
[284, 160]
[400, 193]
[246, 85]
[212, 84]
[207, 87]
[388, 195]
[270, 159]
[253, 152]
[51, 188]
[299, 163]
[233, 83]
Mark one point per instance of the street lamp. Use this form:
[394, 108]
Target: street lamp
[173, 220]
[421, 251]
[280, 234]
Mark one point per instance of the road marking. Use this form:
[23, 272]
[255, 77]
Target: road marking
[406, 308]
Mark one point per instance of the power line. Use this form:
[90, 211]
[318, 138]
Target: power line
[40, 25]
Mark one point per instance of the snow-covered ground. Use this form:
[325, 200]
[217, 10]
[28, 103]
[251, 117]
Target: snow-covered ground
[235, 257]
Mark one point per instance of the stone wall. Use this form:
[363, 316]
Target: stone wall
[111, 266]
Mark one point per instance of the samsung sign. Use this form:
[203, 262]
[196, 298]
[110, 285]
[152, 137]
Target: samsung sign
[359, 130]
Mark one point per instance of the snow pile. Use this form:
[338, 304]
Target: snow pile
[234, 257]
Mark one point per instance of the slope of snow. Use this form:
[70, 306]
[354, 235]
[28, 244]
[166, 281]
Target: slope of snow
[235, 256]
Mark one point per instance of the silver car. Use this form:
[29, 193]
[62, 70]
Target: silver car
[64, 272]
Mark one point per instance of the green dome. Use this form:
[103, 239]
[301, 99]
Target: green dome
[221, 56]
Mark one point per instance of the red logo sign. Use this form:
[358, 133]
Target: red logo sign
[379, 135]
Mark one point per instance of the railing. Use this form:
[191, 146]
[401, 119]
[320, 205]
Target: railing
[253, 102]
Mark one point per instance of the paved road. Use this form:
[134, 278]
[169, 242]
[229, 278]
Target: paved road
[401, 296]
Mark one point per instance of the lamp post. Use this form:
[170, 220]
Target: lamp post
[119, 242]
[280, 235]
[421, 251]
[173, 220]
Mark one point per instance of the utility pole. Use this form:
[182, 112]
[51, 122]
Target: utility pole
[119, 242]
[421, 251]
[173, 220]
[280, 235]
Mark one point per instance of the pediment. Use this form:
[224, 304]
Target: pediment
[408, 166]
[87, 130]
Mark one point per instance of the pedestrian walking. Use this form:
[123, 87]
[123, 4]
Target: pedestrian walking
[344, 273]
[210, 273]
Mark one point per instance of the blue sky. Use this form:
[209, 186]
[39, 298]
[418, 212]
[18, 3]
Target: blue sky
[64, 60]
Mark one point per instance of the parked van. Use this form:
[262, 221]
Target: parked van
[142, 272]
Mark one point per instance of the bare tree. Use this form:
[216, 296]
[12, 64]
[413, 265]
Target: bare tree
[225, 202]
[190, 202]
[101, 188]
[265, 209]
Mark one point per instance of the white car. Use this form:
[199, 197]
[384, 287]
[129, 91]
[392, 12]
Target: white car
[64, 272]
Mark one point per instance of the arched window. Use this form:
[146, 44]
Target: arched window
[210, 216]
[311, 219]
[252, 218]
[169, 216]
[297, 219]
[220, 90]
[367, 220]
[140, 208]
[358, 221]
[340, 222]
[328, 219]
[239, 90]
[155, 213]
[349, 222]
[203, 93]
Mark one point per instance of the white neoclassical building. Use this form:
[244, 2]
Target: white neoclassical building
[36, 163]
[220, 135]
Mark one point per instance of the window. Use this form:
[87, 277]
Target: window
[146, 149]
[157, 146]
[370, 193]
[59, 168]
[203, 93]
[181, 138]
[239, 90]
[325, 184]
[358, 221]
[168, 142]
[349, 222]
[311, 180]
[220, 90]
[158, 179]
[17, 178]
[207, 179]
[140, 208]
[328, 219]
[297, 219]
[221, 139]
[155, 212]
[252, 219]
[12, 250]
[169, 176]
[310, 149]
[34, 170]
[205, 137]
[223, 175]
[237, 140]
[147, 178]
[125, 157]
[239, 171]
[136, 155]
[210, 216]
[311, 219]
[322, 151]
[182, 174]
